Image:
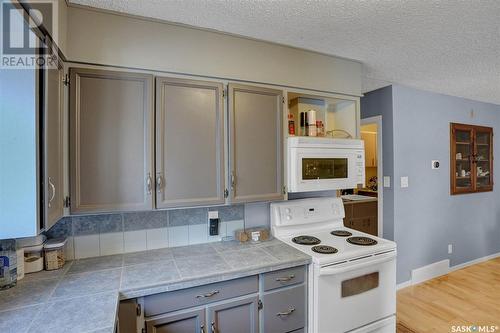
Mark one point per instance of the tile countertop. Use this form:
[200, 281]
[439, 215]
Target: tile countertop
[84, 295]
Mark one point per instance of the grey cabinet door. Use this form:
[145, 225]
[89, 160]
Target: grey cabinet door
[53, 180]
[189, 143]
[111, 141]
[184, 322]
[284, 310]
[236, 316]
[256, 143]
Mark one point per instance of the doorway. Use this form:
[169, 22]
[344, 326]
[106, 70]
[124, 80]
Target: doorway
[371, 133]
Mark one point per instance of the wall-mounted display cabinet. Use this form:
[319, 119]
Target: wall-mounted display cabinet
[471, 167]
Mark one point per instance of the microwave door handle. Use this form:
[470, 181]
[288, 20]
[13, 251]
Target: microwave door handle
[361, 264]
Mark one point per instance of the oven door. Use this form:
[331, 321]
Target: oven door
[354, 294]
[316, 169]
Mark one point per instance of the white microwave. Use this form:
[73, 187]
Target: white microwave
[318, 164]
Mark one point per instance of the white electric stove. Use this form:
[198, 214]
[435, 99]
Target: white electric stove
[352, 278]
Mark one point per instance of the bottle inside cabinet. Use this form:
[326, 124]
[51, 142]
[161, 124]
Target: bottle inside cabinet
[324, 116]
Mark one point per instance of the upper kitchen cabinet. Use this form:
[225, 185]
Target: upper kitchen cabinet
[471, 167]
[333, 116]
[256, 143]
[53, 127]
[189, 143]
[111, 141]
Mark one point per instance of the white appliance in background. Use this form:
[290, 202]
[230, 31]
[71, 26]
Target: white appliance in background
[352, 278]
[317, 164]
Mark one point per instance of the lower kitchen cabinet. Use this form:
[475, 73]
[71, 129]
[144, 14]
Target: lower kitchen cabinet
[362, 216]
[191, 321]
[237, 316]
[273, 302]
[284, 310]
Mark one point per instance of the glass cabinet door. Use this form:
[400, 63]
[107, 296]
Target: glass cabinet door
[471, 158]
[482, 159]
[464, 150]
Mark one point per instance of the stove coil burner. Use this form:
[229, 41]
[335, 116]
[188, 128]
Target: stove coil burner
[365, 241]
[325, 249]
[341, 233]
[306, 240]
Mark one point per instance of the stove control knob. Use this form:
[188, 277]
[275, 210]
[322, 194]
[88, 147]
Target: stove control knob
[289, 217]
[287, 210]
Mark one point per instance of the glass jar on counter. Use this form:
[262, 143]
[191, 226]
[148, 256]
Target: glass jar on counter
[8, 264]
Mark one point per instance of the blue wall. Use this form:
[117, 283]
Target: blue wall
[376, 103]
[426, 217]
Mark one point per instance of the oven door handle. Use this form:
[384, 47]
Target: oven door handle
[350, 266]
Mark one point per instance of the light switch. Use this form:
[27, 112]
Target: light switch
[387, 181]
[404, 182]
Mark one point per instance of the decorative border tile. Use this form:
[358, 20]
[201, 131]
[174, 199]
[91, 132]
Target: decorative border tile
[189, 216]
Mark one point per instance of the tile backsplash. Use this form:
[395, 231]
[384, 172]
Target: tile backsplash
[107, 234]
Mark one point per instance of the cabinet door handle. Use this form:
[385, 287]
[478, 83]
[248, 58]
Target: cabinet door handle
[202, 328]
[159, 183]
[210, 294]
[53, 189]
[286, 313]
[285, 278]
[149, 183]
[233, 180]
[212, 327]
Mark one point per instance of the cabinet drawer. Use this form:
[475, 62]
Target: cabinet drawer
[284, 277]
[185, 298]
[284, 310]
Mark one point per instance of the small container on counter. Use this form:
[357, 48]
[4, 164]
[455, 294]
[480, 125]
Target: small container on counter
[303, 124]
[311, 123]
[257, 234]
[33, 253]
[20, 263]
[8, 264]
[54, 253]
[291, 125]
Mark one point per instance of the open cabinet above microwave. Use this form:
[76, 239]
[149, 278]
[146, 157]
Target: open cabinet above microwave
[319, 164]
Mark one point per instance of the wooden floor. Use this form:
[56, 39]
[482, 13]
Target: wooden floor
[469, 296]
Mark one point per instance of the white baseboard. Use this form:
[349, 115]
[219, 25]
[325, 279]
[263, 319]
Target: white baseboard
[431, 271]
[439, 268]
[475, 261]
[403, 285]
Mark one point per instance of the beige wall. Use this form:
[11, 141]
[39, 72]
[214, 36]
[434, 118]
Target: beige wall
[110, 39]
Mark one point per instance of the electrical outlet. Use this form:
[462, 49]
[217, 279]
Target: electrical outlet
[450, 248]
[387, 181]
[404, 182]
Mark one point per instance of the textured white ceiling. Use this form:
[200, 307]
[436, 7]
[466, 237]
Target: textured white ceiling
[448, 46]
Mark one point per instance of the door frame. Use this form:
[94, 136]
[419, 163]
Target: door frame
[380, 172]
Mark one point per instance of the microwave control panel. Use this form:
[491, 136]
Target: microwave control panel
[360, 166]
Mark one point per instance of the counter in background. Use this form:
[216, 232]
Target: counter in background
[361, 213]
